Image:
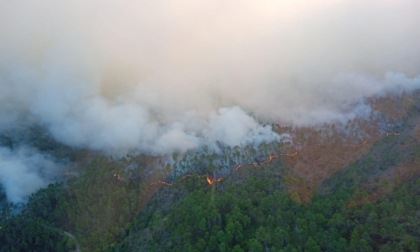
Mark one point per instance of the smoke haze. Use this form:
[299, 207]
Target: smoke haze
[25, 170]
[163, 76]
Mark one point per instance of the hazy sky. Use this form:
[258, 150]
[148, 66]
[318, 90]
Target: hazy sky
[133, 74]
[162, 76]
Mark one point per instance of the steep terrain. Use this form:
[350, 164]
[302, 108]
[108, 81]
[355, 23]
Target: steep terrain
[333, 188]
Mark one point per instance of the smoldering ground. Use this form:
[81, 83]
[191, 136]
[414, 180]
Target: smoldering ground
[164, 76]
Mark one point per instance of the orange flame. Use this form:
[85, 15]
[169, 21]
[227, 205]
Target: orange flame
[212, 181]
[209, 180]
[161, 183]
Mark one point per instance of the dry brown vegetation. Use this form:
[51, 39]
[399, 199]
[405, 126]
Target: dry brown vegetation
[390, 179]
[316, 163]
[326, 151]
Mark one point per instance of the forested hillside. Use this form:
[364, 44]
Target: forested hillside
[330, 190]
[209, 125]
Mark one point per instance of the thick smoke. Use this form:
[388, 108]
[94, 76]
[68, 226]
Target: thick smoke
[24, 170]
[163, 76]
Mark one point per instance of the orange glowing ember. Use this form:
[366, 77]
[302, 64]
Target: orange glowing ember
[118, 177]
[212, 181]
[209, 180]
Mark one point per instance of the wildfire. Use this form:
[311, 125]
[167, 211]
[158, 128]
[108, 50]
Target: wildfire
[118, 177]
[290, 154]
[211, 181]
[162, 183]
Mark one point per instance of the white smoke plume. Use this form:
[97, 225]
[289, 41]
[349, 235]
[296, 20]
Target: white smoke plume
[170, 76]
[162, 76]
[25, 170]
